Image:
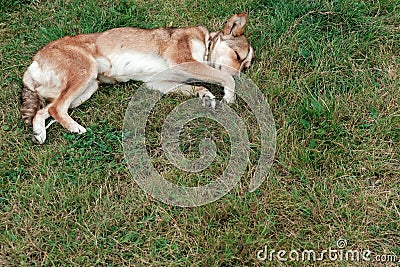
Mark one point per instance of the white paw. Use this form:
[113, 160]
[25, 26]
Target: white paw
[76, 128]
[228, 98]
[208, 100]
[39, 136]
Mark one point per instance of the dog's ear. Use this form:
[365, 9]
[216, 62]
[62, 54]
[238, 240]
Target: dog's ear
[235, 25]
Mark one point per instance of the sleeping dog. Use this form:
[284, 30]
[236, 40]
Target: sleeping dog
[66, 72]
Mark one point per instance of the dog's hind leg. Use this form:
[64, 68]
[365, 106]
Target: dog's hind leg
[77, 89]
[91, 88]
[58, 109]
[39, 125]
[73, 95]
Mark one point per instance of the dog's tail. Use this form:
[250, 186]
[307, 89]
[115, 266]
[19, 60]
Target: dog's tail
[31, 100]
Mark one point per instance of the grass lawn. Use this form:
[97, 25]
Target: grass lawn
[330, 71]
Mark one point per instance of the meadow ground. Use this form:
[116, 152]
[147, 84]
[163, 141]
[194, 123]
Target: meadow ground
[330, 71]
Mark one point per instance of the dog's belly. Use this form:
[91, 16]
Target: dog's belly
[130, 66]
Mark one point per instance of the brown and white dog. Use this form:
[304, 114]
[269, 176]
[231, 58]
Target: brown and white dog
[66, 72]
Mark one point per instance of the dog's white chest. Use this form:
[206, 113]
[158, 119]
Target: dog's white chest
[198, 50]
[131, 66]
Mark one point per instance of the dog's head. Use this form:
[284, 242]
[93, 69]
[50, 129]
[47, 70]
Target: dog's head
[230, 51]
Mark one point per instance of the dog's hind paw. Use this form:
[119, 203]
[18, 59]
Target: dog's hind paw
[39, 137]
[76, 128]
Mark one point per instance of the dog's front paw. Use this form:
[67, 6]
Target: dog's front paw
[209, 101]
[228, 99]
[206, 97]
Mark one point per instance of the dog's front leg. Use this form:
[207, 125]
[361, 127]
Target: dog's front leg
[206, 97]
[229, 95]
[196, 71]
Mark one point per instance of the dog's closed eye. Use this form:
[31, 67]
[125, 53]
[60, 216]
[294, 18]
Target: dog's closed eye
[237, 56]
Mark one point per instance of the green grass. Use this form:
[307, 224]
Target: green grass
[331, 73]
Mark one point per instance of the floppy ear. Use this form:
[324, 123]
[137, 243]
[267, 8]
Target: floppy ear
[235, 25]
